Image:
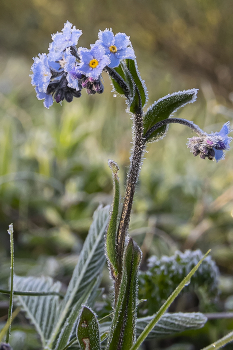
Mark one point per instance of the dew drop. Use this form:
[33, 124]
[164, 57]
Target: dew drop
[84, 324]
[114, 95]
[186, 284]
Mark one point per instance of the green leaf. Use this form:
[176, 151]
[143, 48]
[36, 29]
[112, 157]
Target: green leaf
[42, 311]
[111, 236]
[163, 108]
[165, 306]
[117, 77]
[134, 98]
[172, 323]
[89, 266]
[140, 84]
[88, 330]
[123, 331]
[71, 321]
[168, 324]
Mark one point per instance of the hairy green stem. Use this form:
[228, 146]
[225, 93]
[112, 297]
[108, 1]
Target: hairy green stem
[135, 165]
[161, 123]
[10, 231]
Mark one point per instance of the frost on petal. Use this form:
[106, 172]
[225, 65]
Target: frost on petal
[121, 41]
[106, 37]
[85, 55]
[97, 51]
[115, 61]
[225, 129]
[41, 72]
[68, 37]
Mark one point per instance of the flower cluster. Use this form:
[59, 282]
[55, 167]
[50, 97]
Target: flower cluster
[65, 70]
[211, 145]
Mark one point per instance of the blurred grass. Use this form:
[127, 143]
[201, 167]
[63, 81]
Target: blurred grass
[53, 163]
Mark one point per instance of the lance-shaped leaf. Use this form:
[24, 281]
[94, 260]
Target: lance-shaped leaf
[72, 320]
[88, 330]
[169, 324]
[117, 76]
[89, 266]
[134, 98]
[122, 333]
[42, 311]
[165, 306]
[111, 236]
[172, 323]
[163, 109]
[139, 83]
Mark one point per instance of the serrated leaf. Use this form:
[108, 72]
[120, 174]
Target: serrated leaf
[122, 332]
[71, 321]
[89, 266]
[168, 324]
[140, 84]
[172, 323]
[163, 108]
[42, 311]
[88, 330]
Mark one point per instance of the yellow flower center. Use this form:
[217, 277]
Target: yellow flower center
[93, 63]
[113, 48]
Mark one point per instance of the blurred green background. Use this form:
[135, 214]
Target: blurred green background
[53, 163]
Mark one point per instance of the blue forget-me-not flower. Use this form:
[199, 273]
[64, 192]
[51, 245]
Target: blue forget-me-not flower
[93, 61]
[211, 145]
[65, 70]
[116, 47]
[62, 40]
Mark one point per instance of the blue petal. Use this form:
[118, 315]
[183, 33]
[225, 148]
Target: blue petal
[121, 41]
[106, 37]
[85, 55]
[225, 129]
[97, 51]
[48, 101]
[126, 53]
[115, 61]
[218, 154]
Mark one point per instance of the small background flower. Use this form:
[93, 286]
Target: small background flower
[117, 47]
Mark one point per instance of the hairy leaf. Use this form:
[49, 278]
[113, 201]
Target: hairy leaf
[140, 84]
[111, 236]
[172, 323]
[122, 333]
[168, 324]
[72, 320]
[89, 266]
[42, 311]
[118, 80]
[88, 330]
[163, 109]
